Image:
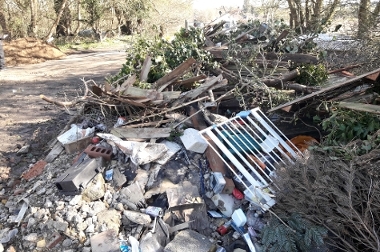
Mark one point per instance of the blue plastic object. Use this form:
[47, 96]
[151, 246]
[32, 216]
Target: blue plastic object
[242, 142]
[244, 114]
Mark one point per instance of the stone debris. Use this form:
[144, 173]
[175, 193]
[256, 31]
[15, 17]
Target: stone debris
[99, 215]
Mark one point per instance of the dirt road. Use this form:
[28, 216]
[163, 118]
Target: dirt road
[25, 119]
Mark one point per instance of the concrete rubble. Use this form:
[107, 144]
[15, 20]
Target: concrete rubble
[165, 202]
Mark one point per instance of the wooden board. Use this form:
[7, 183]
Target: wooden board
[324, 90]
[144, 133]
[375, 109]
[168, 79]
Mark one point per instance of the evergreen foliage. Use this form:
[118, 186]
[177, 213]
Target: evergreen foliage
[301, 235]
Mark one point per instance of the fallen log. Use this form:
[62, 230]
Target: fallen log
[279, 83]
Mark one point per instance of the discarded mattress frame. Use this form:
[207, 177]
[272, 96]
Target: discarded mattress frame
[255, 146]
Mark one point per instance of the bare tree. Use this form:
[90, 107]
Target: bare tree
[310, 15]
[32, 29]
[57, 19]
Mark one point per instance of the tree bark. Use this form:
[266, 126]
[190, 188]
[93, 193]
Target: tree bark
[57, 19]
[3, 22]
[78, 17]
[32, 29]
[363, 19]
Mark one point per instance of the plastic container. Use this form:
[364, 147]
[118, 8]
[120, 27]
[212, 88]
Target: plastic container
[225, 203]
[239, 218]
[217, 182]
[74, 134]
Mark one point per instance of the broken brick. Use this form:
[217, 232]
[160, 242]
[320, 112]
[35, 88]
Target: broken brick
[98, 151]
[35, 170]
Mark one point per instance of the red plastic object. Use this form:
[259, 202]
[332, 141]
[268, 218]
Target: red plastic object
[98, 151]
[222, 230]
[95, 140]
[237, 194]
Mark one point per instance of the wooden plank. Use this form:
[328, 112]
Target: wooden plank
[144, 133]
[171, 95]
[145, 69]
[168, 79]
[191, 80]
[215, 162]
[127, 83]
[54, 153]
[194, 93]
[324, 90]
[375, 109]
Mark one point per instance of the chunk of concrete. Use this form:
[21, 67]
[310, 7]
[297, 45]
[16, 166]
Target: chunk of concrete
[106, 241]
[193, 141]
[188, 240]
[95, 190]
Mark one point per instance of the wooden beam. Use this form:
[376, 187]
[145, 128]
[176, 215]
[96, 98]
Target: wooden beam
[194, 93]
[215, 162]
[168, 79]
[375, 109]
[325, 90]
[145, 69]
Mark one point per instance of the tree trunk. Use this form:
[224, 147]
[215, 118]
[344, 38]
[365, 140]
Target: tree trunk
[57, 19]
[78, 17]
[315, 20]
[330, 11]
[32, 29]
[293, 15]
[363, 19]
[375, 15]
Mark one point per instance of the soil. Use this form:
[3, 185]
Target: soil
[33, 68]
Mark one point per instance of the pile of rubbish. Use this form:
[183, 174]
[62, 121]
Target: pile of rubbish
[161, 169]
[114, 191]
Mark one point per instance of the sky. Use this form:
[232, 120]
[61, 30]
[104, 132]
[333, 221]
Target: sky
[207, 4]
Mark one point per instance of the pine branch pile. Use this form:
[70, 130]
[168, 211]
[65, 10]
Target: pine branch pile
[340, 190]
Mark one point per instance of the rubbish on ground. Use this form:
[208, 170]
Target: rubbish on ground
[76, 178]
[251, 133]
[6, 235]
[217, 182]
[154, 211]
[140, 153]
[133, 195]
[239, 218]
[225, 203]
[248, 240]
[74, 134]
[141, 133]
[106, 241]
[134, 244]
[22, 211]
[223, 229]
[193, 141]
[98, 151]
[109, 175]
[35, 170]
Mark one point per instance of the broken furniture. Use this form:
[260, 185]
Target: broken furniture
[253, 145]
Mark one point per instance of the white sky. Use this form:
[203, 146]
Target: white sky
[211, 4]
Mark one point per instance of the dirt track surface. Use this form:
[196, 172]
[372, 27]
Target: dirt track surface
[25, 119]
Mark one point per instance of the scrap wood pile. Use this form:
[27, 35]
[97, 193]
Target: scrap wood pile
[253, 60]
